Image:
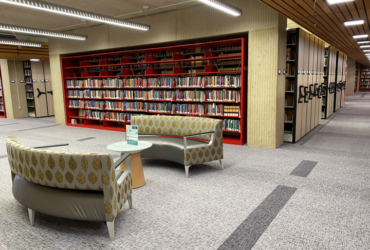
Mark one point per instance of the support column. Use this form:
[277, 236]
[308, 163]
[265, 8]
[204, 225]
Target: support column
[14, 93]
[56, 79]
[266, 95]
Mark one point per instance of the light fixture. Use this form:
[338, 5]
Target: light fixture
[339, 1]
[363, 42]
[34, 60]
[360, 36]
[365, 46]
[354, 22]
[25, 30]
[223, 7]
[59, 9]
[19, 43]
[366, 50]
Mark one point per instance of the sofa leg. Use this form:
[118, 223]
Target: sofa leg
[130, 201]
[187, 171]
[110, 226]
[222, 164]
[31, 214]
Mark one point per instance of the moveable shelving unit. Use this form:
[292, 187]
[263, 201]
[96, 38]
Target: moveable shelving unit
[2, 100]
[103, 91]
[303, 84]
[329, 86]
[28, 83]
[356, 77]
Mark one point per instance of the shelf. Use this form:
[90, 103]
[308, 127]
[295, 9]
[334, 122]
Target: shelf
[29, 91]
[158, 62]
[153, 75]
[225, 130]
[289, 122]
[289, 107]
[291, 45]
[30, 106]
[290, 61]
[142, 100]
[289, 92]
[149, 87]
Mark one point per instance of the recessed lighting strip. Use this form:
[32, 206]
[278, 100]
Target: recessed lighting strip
[25, 30]
[59, 9]
[363, 42]
[354, 22]
[360, 36]
[223, 7]
[19, 43]
[339, 1]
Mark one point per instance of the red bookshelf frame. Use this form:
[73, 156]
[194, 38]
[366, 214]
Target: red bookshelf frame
[364, 76]
[2, 112]
[79, 67]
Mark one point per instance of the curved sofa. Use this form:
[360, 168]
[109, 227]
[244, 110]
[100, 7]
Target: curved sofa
[78, 186]
[177, 139]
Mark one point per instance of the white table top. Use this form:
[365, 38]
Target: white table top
[127, 148]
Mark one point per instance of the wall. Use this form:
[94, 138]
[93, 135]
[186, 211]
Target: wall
[351, 71]
[199, 22]
[16, 105]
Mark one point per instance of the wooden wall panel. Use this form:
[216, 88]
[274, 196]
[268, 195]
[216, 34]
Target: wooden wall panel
[49, 88]
[39, 86]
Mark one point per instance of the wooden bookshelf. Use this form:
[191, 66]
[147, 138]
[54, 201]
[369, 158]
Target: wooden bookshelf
[304, 64]
[2, 100]
[356, 78]
[329, 81]
[28, 83]
[103, 91]
[340, 72]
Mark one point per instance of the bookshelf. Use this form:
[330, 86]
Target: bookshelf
[364, 80]
[304, 63]
[329, 81]
[2, 100]
[103, 91]
[28, 83]
[340, 81]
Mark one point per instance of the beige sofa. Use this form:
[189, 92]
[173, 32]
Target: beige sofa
[174, 139]
[78, 186]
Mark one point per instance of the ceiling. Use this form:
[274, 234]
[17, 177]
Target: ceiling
[122, 9]
[329, 22]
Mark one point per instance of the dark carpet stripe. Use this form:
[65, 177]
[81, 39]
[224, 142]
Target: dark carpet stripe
[86, 139]
[248, 233]
[38, 128]
[304, 168]
[8, 124]
[3, 156]
[363, 95]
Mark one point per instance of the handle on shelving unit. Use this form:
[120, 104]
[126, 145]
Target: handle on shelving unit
[318, 90]
[305, 94]
[301, 95]
[310, 92]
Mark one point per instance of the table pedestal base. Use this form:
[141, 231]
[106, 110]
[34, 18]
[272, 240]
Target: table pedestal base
[138, 179]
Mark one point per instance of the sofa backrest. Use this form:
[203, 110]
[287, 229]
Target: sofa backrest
[60, 169]
[176, 125]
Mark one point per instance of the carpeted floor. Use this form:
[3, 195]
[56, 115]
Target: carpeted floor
[314, 194]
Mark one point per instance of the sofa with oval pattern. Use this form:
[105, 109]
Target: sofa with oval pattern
[80, 186]
[177, 138]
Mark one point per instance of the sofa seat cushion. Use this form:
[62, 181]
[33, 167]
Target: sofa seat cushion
[64, 203]
[167, 148]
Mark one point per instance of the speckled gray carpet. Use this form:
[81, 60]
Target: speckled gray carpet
[329, 208]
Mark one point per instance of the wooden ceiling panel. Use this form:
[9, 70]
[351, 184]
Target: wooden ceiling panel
[329, 21]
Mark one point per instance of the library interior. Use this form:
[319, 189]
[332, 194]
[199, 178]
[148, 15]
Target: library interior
[185, 124]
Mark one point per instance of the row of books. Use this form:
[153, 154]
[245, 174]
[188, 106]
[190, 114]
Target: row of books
[165, 95]
[1, 107]
[27, 72]
[227, 124]
[29, 88]
[290, 54]
[169, 82]
[29, 95]
[191, 109]
[26, 64]
[28, 79]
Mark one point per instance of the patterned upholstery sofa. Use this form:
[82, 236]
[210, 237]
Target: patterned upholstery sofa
[173, 139]
[78, 186]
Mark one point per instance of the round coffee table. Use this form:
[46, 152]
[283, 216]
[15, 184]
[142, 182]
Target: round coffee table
[138, 179]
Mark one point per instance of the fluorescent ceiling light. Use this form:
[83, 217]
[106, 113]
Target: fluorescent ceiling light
[366, 50]
[223, 7]
[365, 46]
[25, 30]
[363, 42]
[19, 43]
[360, 36]
[34, 60]
[354, 22]
[339, 1]
[59, 9]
